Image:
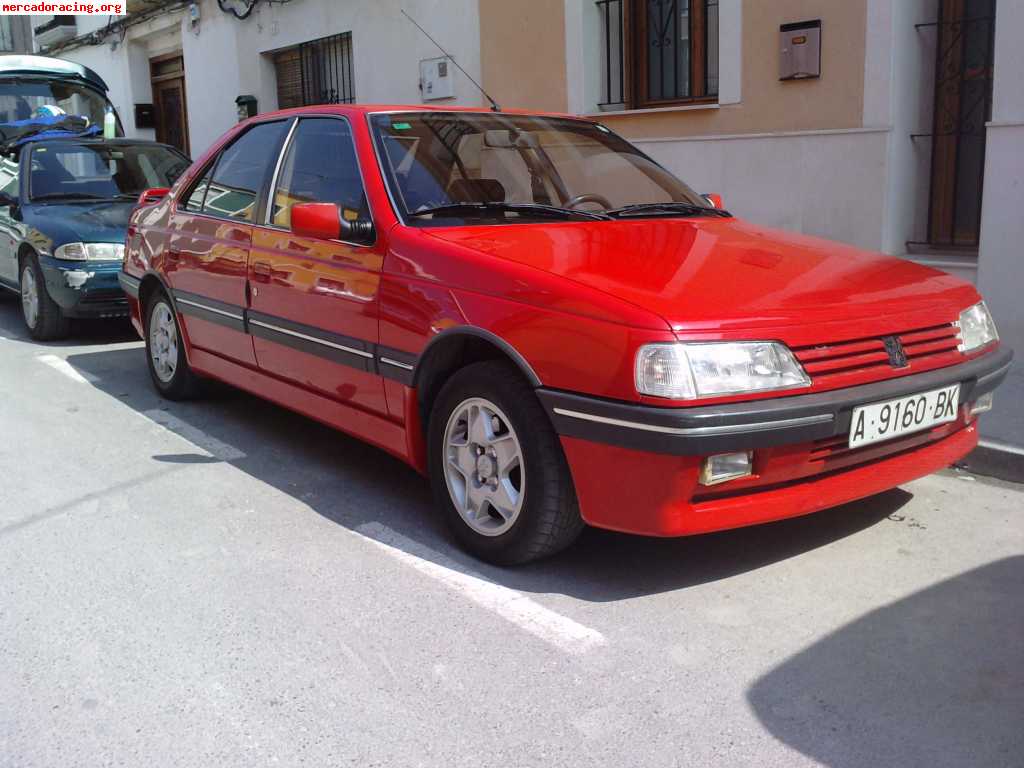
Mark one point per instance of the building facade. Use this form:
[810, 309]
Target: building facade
[894, 125]
[15, 35]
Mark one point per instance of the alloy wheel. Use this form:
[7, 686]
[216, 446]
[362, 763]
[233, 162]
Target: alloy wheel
[163, 342]
[29, 296]
[484, 468]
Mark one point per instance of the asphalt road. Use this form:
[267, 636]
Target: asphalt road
[224, 583]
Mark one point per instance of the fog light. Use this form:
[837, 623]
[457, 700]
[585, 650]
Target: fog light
[982, 405]
[726, 466]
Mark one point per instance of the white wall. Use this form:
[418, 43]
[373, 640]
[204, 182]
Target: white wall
[1001, 257]
[212, 75]
[226, 57]
[229, 58]
[899, 77]
[124, 64]
[826, 183]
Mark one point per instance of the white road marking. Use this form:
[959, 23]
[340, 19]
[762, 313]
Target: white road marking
[63, 366]
[194, 435]
[552, 627]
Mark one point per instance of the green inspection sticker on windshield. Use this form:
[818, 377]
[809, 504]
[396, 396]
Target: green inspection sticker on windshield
[401, 126]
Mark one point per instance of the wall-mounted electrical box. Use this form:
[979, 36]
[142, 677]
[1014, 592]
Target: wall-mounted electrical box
[800, 50]
[437, 79]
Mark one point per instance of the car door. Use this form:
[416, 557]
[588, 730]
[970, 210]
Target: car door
[208, 252]
[314, 303]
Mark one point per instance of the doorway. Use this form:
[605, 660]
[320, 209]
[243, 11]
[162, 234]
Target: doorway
[169, 106]
[963, 104]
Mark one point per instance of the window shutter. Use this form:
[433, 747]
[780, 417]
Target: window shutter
[289, 79]
[317, 72]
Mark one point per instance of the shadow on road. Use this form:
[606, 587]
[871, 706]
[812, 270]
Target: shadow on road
[936, 679]
[351, 483]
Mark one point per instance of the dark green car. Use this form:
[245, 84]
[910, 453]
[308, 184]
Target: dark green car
[64, 208]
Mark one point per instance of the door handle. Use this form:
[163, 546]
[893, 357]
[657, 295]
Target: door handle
[261, 271]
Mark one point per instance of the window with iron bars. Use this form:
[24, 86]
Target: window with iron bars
[657, 53]
[317, 72]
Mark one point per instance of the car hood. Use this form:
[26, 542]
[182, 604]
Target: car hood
[91, 222]
[720, 274]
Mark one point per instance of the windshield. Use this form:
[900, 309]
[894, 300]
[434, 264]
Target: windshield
[448, 161]
[67, 171]
[23, 99]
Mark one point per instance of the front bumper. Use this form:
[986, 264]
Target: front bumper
[706, 430]
[636, 468]
[85, 288]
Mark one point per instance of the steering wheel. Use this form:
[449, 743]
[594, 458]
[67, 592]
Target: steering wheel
[580, 199]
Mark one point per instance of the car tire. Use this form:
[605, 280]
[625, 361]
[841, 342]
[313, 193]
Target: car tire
[499, 476]
[172, 376]
[43, 317]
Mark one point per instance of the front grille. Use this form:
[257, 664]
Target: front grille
[830, 363]
[832, 449]
[105, 296]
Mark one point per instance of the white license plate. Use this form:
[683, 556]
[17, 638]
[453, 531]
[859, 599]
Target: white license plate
[913, 413]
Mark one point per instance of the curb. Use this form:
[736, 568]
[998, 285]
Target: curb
[995, 460]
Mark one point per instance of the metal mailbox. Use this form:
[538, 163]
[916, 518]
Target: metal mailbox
[800, 50]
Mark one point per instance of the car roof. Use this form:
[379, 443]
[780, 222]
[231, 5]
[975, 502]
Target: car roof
[98, 141]
[369, 109]
[48, 67]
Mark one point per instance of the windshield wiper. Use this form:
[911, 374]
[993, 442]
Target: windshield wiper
[689, 209]
[67, 196]
[524, 208]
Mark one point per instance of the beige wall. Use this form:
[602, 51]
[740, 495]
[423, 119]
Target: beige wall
[522, 51]
[768, 105]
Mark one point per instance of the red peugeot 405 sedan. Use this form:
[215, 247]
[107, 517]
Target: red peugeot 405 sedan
[550, 325]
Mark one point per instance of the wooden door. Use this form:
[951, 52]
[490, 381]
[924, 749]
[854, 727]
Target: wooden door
[171, 113]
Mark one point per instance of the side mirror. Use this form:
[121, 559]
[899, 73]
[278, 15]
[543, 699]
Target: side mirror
[324, 221]
[153, 196]
[715, 200]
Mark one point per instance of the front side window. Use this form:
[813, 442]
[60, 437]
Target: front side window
[68, 171]
[438, 159]
[242, 170]
[320, 167]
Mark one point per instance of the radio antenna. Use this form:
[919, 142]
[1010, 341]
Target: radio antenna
[494, 105]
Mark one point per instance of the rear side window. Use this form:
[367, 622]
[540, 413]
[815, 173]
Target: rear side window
[233, 189]
[320, 167]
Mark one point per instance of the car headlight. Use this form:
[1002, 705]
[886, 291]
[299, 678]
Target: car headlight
[690, 371]
[977, 328]
[90, 252]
